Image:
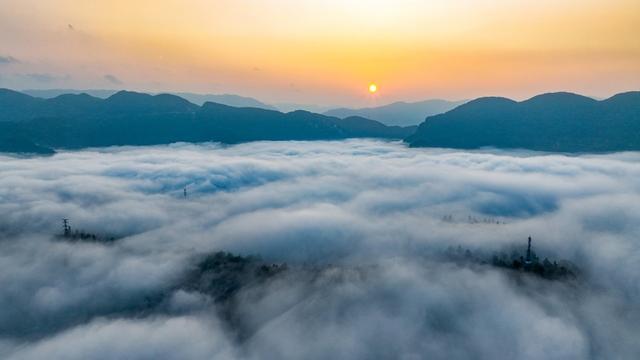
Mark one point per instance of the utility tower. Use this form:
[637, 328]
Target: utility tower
[528, 258]
[66, 226]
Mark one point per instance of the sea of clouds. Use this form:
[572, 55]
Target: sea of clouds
[369, 213]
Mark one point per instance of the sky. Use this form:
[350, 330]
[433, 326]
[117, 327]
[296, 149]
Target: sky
[367, 215]
[324, 52]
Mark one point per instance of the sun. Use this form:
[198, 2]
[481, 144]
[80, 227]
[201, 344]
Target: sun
[373, 88]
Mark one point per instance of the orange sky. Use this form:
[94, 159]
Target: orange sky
[324, 52]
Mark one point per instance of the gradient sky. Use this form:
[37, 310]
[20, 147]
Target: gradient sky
[324, 52]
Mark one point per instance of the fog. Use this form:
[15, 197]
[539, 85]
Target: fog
[360, 226]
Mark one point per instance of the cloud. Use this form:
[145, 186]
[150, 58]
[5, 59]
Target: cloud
[8, 60]
[173, 338]
[112, 79]
[360, 224]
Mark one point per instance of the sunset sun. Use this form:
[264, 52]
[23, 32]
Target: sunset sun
[373, 88]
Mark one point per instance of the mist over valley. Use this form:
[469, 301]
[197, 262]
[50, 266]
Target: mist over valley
[352, 248]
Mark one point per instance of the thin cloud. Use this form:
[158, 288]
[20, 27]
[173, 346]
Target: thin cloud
[8, 60]
[112, 79]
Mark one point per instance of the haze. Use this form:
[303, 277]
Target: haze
[324, 52]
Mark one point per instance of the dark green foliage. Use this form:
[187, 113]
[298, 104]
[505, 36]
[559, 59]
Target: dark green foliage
[550, 270]
[551, 122]
[221, 275]
[84, 236]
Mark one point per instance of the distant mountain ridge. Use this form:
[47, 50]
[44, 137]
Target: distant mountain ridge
[225, 99]
[288, 107]
[563, 122]
[399, 113]
[35, 125]
[16, 106]
[198, 99]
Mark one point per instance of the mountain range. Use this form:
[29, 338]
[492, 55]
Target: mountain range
[72, 121]
[399, 113]
[562, 122]
[198, 99]
[557, 122]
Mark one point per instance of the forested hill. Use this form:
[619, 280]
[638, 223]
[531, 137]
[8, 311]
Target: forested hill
[561, 122]
[35, 125]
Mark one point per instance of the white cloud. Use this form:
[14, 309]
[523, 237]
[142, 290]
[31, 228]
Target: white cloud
[174, 338]
[371, 208]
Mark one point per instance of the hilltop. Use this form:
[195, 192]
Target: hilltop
[562, 122]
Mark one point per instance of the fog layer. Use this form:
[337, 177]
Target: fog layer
[359, 225]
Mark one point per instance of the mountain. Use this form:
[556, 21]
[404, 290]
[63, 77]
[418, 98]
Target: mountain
[225, 99]
[562, 122]
[129, 118]
[20, 107]
[375, 129]
[198, 99]
[129, 102]
[14, 139]
[15, 105]
[399, 113]
[288, 107]
[51, 93]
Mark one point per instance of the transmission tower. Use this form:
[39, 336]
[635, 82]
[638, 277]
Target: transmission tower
[66, 226]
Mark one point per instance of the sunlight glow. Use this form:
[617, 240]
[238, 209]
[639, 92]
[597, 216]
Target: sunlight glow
[418, 49]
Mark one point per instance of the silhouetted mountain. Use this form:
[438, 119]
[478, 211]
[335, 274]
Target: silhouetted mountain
[129, 118]
[249, 124]
[198, 99]
[51, 93]
[289, 107]
[399, 113]
[225, 99]
[128, 102]
[19, 107]
[373, 128]
[551, 122]
[15, 105]
[68, 105]
[624, 100]
[14, 139]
